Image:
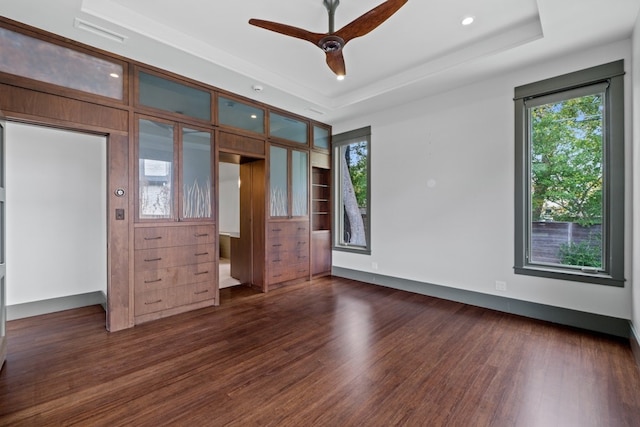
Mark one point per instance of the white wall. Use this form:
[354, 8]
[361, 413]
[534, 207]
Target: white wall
[229, 194]
[636, 177]
[459, 232]
[56, 213]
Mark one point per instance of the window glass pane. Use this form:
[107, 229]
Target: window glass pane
[566, 180]
[196, 174]
[299, 183]
[287, 128]
[354, 193]
[2, 155]
[240, 115]
[47, 62]
[2, 232]
[320, 137]
[278, 181]
[168, 95]
[3, 309]
[155, 166]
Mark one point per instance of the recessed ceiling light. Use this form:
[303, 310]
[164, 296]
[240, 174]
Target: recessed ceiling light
[340, 78]
[467, 20]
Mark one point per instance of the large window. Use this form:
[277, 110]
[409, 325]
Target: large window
[352, 156]
[570, 176]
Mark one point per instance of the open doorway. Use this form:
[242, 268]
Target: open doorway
[56, 219]
[241, 220]
[228, 220]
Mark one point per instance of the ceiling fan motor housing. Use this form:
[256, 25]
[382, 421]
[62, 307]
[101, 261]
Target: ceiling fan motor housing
[331, 43]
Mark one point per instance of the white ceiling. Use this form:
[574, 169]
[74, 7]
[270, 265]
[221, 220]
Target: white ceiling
[421, 50]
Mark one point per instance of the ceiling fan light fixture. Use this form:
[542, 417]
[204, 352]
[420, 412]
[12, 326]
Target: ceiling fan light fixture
[340, 77]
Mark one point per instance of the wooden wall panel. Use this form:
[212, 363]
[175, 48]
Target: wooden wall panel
[61, 110]
[241, 144]
[119, 305]
[258, 186]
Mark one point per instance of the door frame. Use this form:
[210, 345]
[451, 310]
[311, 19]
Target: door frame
[3, 265]
[117, 167]
[252, 201]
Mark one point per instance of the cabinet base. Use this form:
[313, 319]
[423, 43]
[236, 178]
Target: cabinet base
[173, 311]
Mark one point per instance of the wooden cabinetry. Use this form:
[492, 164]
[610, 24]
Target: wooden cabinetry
[175, 269]
[175, 239]
[320, 221]
[287, 250]
[288, 242]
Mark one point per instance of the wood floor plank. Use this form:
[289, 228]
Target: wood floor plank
[326, 353]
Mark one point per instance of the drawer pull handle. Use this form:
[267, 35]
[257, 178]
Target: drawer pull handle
[302, 243]
[201, 235]
[201, 273]
[276, 229]
[153, 302]
[201, 292]
[276, 245]
[202, 253]
[276, 260]
[153, 281]
[301, 257]
[302, 229]
[277, 275]
[152, 259]
[153, 238]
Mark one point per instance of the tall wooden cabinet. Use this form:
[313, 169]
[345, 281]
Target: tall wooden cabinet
[321, 218]
[288, 238]
[175, 238]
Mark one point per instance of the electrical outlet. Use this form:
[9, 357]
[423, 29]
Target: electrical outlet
[374, 265]
[501, 286]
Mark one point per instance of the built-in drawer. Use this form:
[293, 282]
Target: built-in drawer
[287, 229]
[168, 236]
[146, 280]
[163, 299]
[153, 259]
[289, 272]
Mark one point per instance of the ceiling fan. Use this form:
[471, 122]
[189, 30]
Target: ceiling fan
[333, 42]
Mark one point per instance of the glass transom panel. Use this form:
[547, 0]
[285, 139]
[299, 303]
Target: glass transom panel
[171, 96]
[47, 62]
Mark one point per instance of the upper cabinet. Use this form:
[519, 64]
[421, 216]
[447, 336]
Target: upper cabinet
[174, 171]
[288, 128]
[173, 97]
[240, 115]
[289, 182]
[321, 137]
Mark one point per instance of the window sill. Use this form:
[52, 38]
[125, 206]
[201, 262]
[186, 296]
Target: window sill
[571, 275]
[353, 249]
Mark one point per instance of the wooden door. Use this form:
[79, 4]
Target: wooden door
[3, 267]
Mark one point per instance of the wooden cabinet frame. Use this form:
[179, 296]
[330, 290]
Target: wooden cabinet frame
[30, 101]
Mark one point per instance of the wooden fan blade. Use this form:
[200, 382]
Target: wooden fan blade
[335, 61]
[288, 30]
[370, 20]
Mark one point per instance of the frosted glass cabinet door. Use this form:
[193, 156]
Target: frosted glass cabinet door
[299, 183]
[155, 169]
[196, 174]
[278, 179]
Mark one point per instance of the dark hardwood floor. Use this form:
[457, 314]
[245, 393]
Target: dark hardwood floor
[331, 353]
